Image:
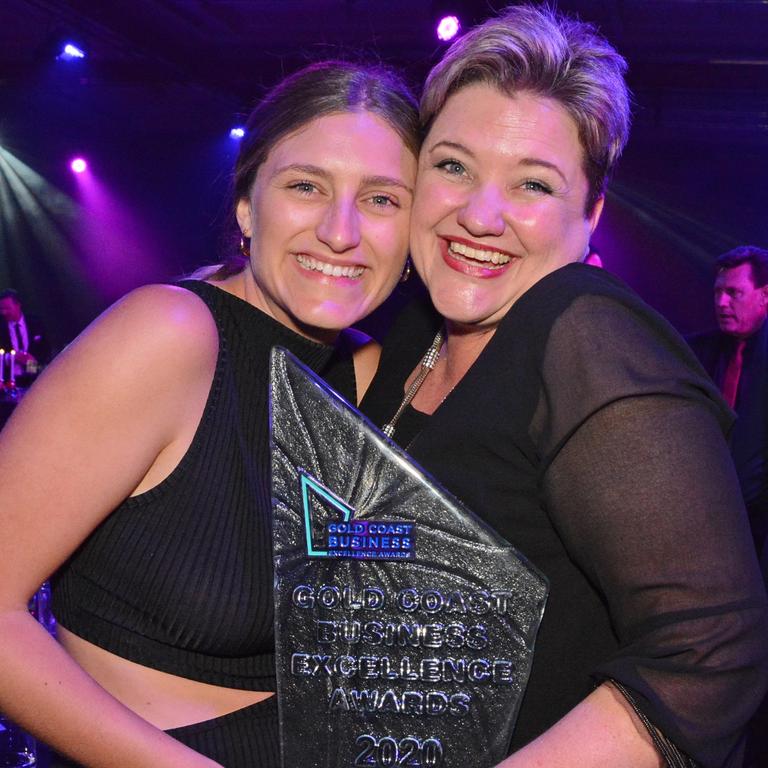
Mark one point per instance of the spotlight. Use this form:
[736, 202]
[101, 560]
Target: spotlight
[78, 165]
[70, 52]
[237, 133]
[448, 28]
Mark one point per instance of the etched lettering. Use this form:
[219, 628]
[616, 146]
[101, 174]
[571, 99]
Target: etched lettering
[416, 703]
[388, 752]
[427, 670]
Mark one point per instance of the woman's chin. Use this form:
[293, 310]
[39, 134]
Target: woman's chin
[467, 308]
[327, 322]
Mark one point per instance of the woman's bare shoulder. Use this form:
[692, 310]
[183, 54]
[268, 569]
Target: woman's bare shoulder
[148, 325]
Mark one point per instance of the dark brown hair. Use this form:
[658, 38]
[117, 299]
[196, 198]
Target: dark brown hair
[756, 257]
[324, 88]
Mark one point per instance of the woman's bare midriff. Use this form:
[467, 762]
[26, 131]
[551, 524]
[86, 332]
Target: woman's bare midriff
[166, 701]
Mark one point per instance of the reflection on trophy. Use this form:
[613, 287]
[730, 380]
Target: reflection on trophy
[405, 625]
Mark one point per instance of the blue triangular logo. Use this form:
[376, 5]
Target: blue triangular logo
[310, 487]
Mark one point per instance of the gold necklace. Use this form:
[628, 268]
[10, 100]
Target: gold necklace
[427, 364]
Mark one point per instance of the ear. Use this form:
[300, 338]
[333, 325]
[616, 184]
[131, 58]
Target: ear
[597, 211]
[243, 216]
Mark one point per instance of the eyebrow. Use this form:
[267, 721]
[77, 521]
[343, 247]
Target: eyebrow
[368, 181]
[537, 161]
[528, 162]
[452, 145]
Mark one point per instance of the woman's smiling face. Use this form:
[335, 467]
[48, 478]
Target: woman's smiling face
[328, 219]
[500, 201]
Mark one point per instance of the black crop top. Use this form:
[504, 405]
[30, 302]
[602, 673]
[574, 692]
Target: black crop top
[180, 578]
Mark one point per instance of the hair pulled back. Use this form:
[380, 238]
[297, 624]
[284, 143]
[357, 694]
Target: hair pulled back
[321, 89]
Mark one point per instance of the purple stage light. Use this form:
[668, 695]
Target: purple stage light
[71, 51]
[78, 165]
[237, 133]
[448, 28]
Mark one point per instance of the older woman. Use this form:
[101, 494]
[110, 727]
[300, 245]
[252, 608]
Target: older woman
[137, 467]
[569, 415]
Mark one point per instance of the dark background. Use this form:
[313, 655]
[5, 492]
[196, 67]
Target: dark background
[165, 80]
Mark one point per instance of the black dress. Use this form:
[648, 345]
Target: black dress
[588, 435]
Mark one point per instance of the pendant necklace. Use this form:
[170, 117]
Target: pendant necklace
[427, 364]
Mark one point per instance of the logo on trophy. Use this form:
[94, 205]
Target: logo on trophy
[405, 625]
[350, 537]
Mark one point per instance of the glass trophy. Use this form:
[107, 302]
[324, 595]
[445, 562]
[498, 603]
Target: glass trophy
[405, 625]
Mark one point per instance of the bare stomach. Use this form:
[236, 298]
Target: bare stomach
[166, 701]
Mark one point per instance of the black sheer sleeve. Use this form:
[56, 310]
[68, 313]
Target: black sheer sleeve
[640, 486]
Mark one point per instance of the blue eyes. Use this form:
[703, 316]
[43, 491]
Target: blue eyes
[378, 200]
[304, 187]
[384, 201]
[455, 168]
[536, 186]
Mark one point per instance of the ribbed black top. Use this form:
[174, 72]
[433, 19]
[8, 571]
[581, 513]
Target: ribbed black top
[180, 578]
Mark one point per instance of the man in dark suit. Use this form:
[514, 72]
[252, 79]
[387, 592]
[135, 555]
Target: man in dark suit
[736, 356]
[23, 334]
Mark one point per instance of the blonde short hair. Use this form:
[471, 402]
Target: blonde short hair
[539, 51]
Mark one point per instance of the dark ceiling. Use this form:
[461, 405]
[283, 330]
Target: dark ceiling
[702, 63]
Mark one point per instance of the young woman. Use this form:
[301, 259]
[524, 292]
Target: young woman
[137, 468]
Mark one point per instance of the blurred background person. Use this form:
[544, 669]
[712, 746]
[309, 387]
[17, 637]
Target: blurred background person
[23, 333]
[736, 357]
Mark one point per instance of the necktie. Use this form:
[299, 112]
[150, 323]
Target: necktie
[19, 339]
[733, 373]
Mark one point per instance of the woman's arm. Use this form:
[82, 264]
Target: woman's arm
[616, 737]
[645, 499]
[110, 416]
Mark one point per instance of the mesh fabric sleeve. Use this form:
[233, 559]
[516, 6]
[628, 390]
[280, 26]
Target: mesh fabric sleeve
[640, 486]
